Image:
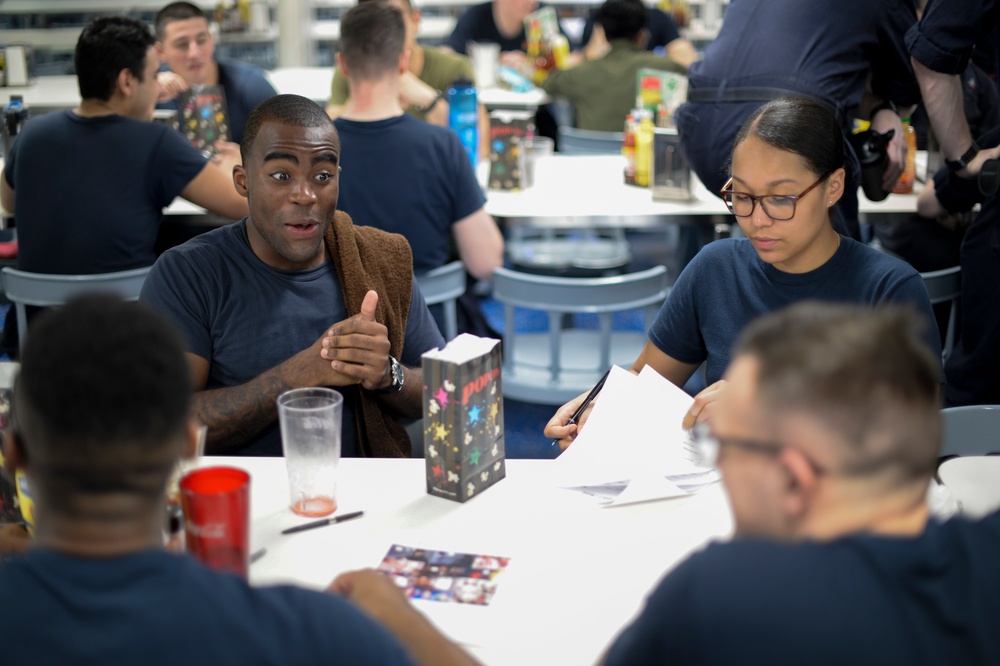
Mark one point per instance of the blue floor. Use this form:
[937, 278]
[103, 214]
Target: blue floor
[523, 421]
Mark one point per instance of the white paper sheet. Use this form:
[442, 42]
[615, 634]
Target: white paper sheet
[633, 447]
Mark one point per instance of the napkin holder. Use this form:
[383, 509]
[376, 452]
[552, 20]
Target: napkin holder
[671, 177]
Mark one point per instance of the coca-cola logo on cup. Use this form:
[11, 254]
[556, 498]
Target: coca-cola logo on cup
[208, 530]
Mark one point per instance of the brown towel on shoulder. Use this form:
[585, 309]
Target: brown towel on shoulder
[368, 258]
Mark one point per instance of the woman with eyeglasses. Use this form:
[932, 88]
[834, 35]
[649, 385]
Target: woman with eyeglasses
[788, 171]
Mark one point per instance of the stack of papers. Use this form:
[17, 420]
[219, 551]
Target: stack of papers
[633, 447]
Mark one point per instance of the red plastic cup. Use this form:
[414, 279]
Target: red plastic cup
[216, 503]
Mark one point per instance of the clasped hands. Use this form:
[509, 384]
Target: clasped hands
[356, 350]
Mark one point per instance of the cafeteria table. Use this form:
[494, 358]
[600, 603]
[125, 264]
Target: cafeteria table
[49, 93]
[569, 190]
[578, 572]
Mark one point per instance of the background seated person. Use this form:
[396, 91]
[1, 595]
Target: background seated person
[433, 196]
[429, 73]
[295, 296]
[98, 456]
[787, 173]
[662, 31]
[826, 440]
[603, 90]
[501, 22]
[187, 47]
[423, 88]
[498, 22]
[88, 185]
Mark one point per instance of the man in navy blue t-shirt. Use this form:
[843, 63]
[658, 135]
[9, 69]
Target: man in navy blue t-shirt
[97, 586]
[435, 201]
[88, 185]
[186, 46]
[294, 296]
[826, 441]
[434, 192]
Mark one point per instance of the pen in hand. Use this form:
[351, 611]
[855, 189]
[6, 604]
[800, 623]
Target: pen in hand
[322, 523]
[586, 403]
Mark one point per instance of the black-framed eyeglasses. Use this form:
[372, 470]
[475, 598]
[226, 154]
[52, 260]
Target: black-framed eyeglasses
[776, 206]
[707, 447]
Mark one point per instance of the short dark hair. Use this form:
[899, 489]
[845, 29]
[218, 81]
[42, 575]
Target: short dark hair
[372, 37]
[106, 46]
[286, 109]
[409, 5]
[102, 399]
[622, 19]
[175, 11]
[865, 373]
[802, 126]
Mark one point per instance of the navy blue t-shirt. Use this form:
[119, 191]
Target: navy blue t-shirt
[661, 28]
[823, 48]
[950, 31]
[727, 285]
[408, 177]
[156, 608]
[862, 599]
[245, 86]
[90, 192]
[477, 25]
[246, 317]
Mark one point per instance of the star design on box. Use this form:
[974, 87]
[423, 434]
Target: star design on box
[437, 471]
[474, 414]
[474, 456]
[442, 397]
[440, 432]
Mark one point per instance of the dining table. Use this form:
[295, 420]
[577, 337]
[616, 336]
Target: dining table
[578, 572]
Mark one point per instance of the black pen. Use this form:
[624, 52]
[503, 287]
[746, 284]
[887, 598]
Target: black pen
[586, 403]
[321, 523]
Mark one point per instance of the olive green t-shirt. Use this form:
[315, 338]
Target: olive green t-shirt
[603, 90]
[440, 71]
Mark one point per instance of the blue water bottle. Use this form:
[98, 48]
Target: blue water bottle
[463, 115]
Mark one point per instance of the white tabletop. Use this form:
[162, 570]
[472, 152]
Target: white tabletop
[48, 92]
[575, 191]
[61, 92]
[581, 186]
[975, 483]
[500, 98]
[587, 186]
[311, 82]
[578, 572]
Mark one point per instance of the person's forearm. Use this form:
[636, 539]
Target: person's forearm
[236, 414]
[427, 645]
[682, 52]
[439, 114]
[943, 99]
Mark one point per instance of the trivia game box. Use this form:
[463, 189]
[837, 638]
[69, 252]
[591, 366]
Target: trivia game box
[507, 129]
[463, 418]
[202, 116]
